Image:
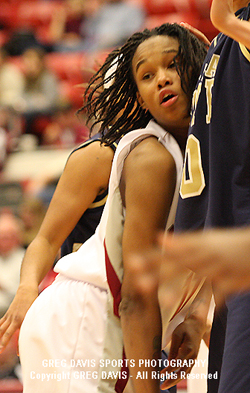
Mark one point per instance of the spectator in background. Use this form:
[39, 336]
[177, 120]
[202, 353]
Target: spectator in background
[20, 40]
[112, 24]
[65, 28]
[31, 212]
[11, 255]
[11, 128]
[41, 93]
[11, 81]
[3, 147]
[65, 130]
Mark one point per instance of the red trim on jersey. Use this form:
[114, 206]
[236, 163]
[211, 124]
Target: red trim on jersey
[113, 282]
[115, 289]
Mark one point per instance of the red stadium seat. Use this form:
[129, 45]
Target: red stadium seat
[175, 17]
[4, 36]
[69, 66]
[166, 6]
[201, 6]
[8, 15]
[72, 93]
[35, 13]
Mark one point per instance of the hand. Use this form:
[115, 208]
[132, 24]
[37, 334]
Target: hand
[14, 316]
[197, 33]
[220, 254]
[185, 345]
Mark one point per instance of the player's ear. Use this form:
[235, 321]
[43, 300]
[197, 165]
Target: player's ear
[140, 100]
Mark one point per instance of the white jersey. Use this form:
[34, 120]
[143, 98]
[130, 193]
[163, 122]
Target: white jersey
[187, 285]
[99, 259]
[71, 319]
[88, 263]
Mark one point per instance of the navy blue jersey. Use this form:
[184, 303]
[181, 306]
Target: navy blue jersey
[215, 189]
[90, 219]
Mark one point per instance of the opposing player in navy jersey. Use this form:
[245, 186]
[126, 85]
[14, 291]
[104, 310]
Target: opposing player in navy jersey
[74, 211]
[215, 189]
[72, 217]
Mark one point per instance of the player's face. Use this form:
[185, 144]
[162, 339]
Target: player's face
[159, 84]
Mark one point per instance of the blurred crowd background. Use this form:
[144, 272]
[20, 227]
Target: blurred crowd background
[48, 50]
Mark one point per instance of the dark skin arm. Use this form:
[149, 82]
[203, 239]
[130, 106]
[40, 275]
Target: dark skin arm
[86, 174]
[148, 183]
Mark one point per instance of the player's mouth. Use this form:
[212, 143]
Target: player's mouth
[167, 98]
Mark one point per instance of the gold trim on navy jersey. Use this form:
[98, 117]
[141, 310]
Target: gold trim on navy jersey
[245, 51]
[98, 203]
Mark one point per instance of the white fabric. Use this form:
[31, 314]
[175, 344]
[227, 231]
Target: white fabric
[64, 326]
[186, 286]
[67, 321]
[88, 263]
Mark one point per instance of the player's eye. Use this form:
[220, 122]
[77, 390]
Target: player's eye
[146, 76]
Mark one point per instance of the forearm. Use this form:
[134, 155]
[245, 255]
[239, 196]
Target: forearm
[141, 325]
[38, 260]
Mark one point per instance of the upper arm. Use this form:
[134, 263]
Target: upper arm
[223, 18]
[149, 178]
[86, 174]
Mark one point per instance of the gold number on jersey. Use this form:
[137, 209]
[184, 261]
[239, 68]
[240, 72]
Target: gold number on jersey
[209, 74]
[195, 99]
[193, 180]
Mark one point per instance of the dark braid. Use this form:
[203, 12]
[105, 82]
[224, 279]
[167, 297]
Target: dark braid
[103, 105]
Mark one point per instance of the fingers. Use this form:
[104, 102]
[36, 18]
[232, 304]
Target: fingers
[178, 369]
[197, 33]
[177, 340]
[4, 333]
[183, 352]
[7, 329]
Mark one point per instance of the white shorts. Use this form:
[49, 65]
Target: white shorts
[61, 338]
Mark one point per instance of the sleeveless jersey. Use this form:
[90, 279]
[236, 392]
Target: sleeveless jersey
[99, 260]
[87, 224]
[88, 262]
[115, 371]
[215, 188]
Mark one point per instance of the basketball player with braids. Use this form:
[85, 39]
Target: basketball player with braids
[140, 327]
[63, 336]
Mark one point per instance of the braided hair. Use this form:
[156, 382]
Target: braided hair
[116, 108]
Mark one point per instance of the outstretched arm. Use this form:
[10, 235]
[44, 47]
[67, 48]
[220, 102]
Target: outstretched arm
[220, 254]
[223, 18]
[86, 174]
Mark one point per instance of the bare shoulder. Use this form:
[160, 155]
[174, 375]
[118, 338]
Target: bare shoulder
[150, 153]
[94, 154]
[89, 167]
